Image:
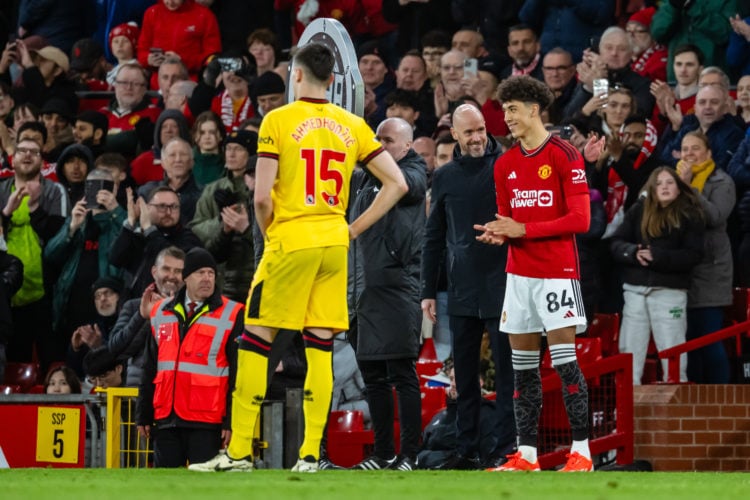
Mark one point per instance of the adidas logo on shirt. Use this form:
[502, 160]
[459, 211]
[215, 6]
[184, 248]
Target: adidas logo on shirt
[512, 175]
[569, 314]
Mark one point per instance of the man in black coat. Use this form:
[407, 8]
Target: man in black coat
[136, 247]
[384, 298]
[462, 195]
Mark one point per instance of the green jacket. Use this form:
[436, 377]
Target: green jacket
[233, 251]
[64, 252]
[704, 24]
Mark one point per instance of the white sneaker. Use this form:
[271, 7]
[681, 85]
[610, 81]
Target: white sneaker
[307, 464]
[222, 463]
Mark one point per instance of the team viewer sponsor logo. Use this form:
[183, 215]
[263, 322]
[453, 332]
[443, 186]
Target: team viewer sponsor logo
[531, 198]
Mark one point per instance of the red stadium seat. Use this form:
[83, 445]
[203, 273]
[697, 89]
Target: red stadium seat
[9, 389]
[23, 374]
[348, 441]
[607, 328]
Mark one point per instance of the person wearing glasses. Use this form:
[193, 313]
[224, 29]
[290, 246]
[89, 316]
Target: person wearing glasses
[33, 210]
[558, 70]
[649, 56]
[130, 115]
[152, 224]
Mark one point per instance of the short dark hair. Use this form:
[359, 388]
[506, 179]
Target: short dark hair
[444, 139]
[160, 189]
[522, 27]
[255, 121]
[317, 60]
[635, 119]
[112, 160]
[436, 38]
[525, 89]
[36, 127]
[689, 47]
[401, 97]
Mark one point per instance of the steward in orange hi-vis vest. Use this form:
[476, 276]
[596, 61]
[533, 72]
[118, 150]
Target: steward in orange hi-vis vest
[192, 377]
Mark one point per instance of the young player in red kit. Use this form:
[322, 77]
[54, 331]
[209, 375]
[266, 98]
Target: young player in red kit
[543, 200]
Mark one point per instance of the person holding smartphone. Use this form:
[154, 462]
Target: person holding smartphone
[80, 249]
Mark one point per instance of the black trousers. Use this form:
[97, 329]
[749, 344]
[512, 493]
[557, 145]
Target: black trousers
[466, 334]
[380, 377]
[32, 324]
[178, 446]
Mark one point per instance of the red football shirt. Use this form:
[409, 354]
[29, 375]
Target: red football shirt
[536, 188]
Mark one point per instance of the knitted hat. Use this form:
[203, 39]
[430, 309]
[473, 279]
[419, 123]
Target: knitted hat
[643, 17]
[269, 83]
[129, 30]
[107, 282]
[374, 48]
[59, 106]
[245, 138]
[197, 258]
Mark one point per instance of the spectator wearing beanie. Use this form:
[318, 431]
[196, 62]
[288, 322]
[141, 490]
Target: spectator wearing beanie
[122, 43]
[103, 369]
[649, 57]
[224, 217]
[269, 91]
[105, 295]
[378, 80]
[57, 117]
[90, 130]
[190, 429]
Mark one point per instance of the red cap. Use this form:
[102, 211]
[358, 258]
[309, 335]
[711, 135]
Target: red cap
[643, 16]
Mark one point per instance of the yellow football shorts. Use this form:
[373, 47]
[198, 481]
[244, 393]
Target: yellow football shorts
[304, 288]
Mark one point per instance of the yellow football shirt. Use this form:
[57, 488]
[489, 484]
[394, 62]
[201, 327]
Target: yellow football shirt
[317, 145]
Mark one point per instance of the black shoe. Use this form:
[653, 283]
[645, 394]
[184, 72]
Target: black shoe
[460, 462]
[325, 464]
[405, 464]
[375, 463]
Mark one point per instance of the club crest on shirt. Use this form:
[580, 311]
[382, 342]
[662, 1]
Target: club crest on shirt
[544, 172]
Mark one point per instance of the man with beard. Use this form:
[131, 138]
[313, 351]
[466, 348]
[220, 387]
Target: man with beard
[152, 225]
[33, 210]
[523, 49]
[462, 195]
[90, 129]
[128, 337]
[95, 331]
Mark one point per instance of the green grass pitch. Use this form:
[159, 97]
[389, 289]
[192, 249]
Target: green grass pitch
[102, 484]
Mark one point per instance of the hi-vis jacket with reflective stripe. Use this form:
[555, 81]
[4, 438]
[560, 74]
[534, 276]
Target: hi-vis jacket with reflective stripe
[193, 375]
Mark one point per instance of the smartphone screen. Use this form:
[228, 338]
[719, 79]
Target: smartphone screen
[470, 68]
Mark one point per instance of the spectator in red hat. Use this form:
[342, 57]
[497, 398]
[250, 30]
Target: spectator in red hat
[123, 40]
[178, 27]
[649, 57]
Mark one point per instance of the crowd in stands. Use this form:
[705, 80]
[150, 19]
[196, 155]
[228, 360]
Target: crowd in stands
[128, 135]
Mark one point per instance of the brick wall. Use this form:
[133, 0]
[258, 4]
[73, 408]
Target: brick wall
[693, 427]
